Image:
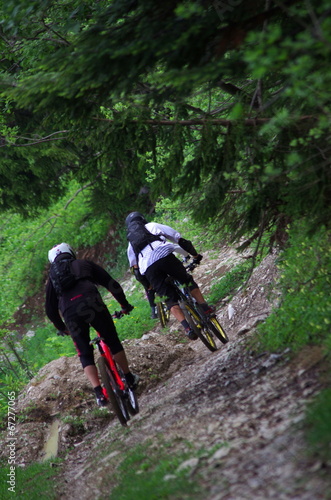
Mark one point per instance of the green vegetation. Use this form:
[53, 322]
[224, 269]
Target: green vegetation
[228, 285]
[138, 322]
[239, 125]
[317, 425]
[34, 351]
[229, 141]
[37, 480]
[24, 245]
[304, 315]
[151, 472]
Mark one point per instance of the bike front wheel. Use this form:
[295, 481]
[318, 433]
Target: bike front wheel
[132, 403]
[114, 394]
[204, 334]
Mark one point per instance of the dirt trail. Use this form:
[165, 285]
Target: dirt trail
[248, 405]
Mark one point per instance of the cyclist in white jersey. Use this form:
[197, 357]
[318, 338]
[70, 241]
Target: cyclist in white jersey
[156, 261]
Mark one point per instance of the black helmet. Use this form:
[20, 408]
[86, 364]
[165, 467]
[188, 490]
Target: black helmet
[135, 216]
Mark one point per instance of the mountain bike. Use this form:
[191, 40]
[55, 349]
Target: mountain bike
[115, 387]
[207, 327]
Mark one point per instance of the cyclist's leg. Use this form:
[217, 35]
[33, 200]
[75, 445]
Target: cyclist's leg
[179, 272]
[79, 329]
[157, 274]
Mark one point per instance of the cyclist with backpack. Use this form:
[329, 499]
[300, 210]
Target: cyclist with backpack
[72, 291]
[149, 291]
[151, 247]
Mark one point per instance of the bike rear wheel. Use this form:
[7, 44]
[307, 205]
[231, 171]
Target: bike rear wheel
[113, 392]
[163, 313]
[204, 334]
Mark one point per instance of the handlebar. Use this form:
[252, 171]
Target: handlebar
[193, 264]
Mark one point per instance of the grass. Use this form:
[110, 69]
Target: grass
[230, 282]
[304, 318]
[304, 315]
[36, 481]
[152, 472]
[317, 425]
[138, 322]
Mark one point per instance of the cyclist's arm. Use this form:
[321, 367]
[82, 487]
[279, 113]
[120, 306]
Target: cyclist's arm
[174, 236]
[180, 250]
[52, 307]
[103, 278]
[188, 247]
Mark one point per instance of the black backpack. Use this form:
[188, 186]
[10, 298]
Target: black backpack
[140, 237]
[62, 276]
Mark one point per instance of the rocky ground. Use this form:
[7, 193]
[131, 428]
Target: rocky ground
[246, 405]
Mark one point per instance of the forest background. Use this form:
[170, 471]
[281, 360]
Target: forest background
[214, 115]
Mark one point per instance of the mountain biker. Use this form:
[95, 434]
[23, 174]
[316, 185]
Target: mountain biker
[81, 306]
[153, 254]
[149, 291]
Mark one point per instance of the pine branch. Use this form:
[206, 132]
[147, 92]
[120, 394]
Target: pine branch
[202, 121]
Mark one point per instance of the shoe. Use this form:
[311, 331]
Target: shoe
[132, 380]
[154, 312]
[191, 334]
[102, 400]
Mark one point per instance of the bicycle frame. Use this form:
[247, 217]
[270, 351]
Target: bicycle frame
[204, 326]
[183, 291]
[106, 353]
[115, 388]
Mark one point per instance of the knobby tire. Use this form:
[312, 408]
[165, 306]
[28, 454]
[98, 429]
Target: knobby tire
[196, 324]
[116, 401]
[131, 399]
[132, 403]
[217, 330]
[162, 313]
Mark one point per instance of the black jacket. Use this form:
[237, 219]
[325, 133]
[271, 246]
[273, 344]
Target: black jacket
[89, 275]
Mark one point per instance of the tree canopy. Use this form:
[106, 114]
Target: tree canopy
[226, 104]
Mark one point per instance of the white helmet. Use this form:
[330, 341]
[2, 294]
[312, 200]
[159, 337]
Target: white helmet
[58, 249]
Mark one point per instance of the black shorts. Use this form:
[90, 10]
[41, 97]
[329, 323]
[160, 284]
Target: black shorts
[85, 312]
[157, 275]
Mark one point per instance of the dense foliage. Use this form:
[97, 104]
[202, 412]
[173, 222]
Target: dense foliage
[304, 314]
[225, 107]
[24, 245]
[140, 98]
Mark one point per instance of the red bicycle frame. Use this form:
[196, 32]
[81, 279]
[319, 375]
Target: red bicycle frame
[106, 353]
